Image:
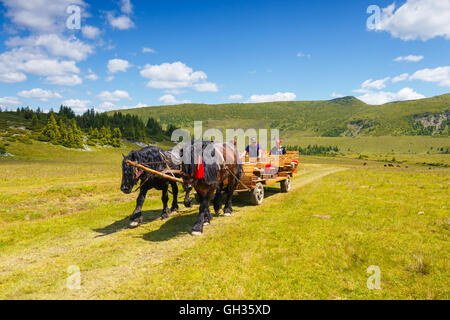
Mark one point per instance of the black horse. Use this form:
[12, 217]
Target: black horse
[156, 159]
[212, 169]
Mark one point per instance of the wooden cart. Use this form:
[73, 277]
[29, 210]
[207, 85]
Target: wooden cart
[272, 169]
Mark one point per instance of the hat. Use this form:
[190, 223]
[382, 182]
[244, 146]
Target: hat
[253, 140]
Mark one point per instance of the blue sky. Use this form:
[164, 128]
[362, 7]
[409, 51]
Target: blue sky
[134, 53]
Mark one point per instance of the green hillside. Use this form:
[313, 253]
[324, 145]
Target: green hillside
[346, 116]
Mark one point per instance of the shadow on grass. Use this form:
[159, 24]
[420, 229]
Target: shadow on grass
[149, 216]
[176, 226]
[179, 224]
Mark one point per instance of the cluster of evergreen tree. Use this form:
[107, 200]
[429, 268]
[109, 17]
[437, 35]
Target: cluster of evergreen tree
[65, 133]
[65, 127]
[313, 150]
[104, 137]
[131, 126]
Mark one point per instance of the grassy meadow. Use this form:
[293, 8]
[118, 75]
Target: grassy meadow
[62, 208]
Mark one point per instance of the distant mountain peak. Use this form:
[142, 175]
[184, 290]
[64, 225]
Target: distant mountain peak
[347, 100]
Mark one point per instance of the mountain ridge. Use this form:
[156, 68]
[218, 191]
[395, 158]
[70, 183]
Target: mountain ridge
[313, 118]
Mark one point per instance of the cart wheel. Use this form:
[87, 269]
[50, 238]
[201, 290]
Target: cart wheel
[286, 185]
[257, 194]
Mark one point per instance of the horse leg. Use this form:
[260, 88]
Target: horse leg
[218, 201]
[229, 197]
[174, 207]
[208, 215]
[187, 199]
[197, 229]
[165, 200]
[136, 218]
[228, 205]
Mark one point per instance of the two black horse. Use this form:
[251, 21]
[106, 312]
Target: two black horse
[213, 169]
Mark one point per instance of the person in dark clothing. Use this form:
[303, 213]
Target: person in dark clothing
[278, 150]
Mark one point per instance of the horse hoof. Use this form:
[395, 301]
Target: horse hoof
[206, 224]
[134, 224]
[220, 212]
[174, 212]
[197, 233]
[227, 214]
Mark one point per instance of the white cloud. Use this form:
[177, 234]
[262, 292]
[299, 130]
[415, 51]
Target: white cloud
[122, 22]
[15, 63]
[54, 45]
[47, 67]
[72, 80]
[45, 52]
[109, 79]
[170, 99]
[91, 76]
[176, 75]
[9, 102]
[12, 77]
[417, 19]
[336, 95]
[106, 106]
[410, 58]
[375, 84]
[279, 96]
[206, 87]
[114, 96]
[440, 75]
[77, 105]
[90, 32]
[381, 97]
[39, 94]
[148, 50]
[41, 15]
[303, 55]
[402, 77]
[235, 97]
[126, 7]
[116, 65]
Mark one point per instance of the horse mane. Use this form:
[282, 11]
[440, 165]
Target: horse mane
[149, 156]
[211, 169]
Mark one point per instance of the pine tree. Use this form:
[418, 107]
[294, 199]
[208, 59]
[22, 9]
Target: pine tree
[105, 136]
[51, 131]
[78, 138]
[116, 138]
[34, 122]
[95, 136]
[64, 139]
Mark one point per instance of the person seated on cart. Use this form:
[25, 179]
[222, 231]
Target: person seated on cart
[254, 150]
[278, 150]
